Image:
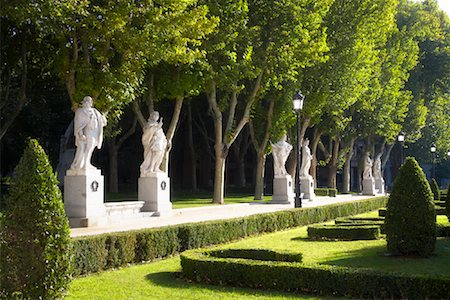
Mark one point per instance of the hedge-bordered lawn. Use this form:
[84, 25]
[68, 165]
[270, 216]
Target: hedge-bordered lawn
[158, 280]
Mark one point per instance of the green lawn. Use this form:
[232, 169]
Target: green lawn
[188, 199]
[159, 280]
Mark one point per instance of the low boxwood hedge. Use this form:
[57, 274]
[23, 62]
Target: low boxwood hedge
[330, 192]
[99, 252]
[344, 232]
[258, 254]
[199, 265]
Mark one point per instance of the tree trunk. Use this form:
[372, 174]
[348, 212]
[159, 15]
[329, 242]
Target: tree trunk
[260, 171]
[333, 164]
[219, 176]
[347, 167]
[191, 148]
[314, 145]
[171, 132]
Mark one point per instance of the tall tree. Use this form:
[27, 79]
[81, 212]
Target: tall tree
[258, 44]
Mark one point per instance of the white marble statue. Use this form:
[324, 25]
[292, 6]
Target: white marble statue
[280, 152]
[306, 159]
[155, 145]
[367, 173]
[88, 131]
[377, 167]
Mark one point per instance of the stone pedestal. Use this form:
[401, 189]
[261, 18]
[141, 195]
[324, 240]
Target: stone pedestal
[84, 197]
[368, 186]
[379, 186]
[307, 187]
[283, 190]
[154, 190]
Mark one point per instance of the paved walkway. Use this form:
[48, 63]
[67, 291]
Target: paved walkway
[207, 213]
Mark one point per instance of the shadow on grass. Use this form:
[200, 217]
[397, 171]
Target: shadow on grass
[175, 280]
[377, 257]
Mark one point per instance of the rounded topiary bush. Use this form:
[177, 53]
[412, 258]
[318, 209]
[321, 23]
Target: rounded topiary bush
[35, 244]
[410, 223]
[435, 189]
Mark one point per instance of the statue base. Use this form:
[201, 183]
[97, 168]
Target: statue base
[379, 186]
[307, 187]
[84, 197]
[282, 190]
[154, 190]
[368, 186]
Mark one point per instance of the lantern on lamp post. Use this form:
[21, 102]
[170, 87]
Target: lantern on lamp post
[297, 102]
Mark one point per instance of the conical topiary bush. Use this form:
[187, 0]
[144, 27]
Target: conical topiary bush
[410, 217]
[435, 189]
[447, 202]
[35, 243]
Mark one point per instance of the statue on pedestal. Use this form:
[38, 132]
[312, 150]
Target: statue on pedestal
[155, 145]
[377, 167]
[367, 173]
[280, 152]
[306, 159]
[88, 131]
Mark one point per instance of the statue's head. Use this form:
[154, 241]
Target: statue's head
[154, 116]
[305, 142]
[87, 101]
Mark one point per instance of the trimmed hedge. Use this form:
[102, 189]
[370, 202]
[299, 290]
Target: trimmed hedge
[346, 232]
[411, 217]
[199, 265]
[258, 254]
[35, 239]
[330, 192]
[100, 252]
[447, 202]
[435, 189]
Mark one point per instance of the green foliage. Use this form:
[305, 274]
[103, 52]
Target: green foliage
[202, 266]
[96, 253]
[435, 189]
[35, 244]
[410, 215]
[258, 254]
[330, 192]
[447, 202]
[344, 232]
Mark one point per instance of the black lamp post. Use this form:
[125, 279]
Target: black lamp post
[433, 153]
[298, 105]
[401, 139]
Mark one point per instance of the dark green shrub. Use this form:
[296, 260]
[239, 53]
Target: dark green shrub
[95, 253]
[156, 243]
[90, 254]
[447, 202]
[345, 232]
[435, 189]
[332, 192]
[35, 247]
[321, 191]
[361, 283]
[258, 254]
[410, 216]
[121, 249]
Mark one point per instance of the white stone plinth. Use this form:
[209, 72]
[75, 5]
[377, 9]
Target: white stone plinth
[379, 185]
[154, 190]
[84, 197]
[283, 190]
[368, 185]
[307, 187]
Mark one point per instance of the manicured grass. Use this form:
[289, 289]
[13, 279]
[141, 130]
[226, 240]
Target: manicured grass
[159, 280]
[185, 200]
